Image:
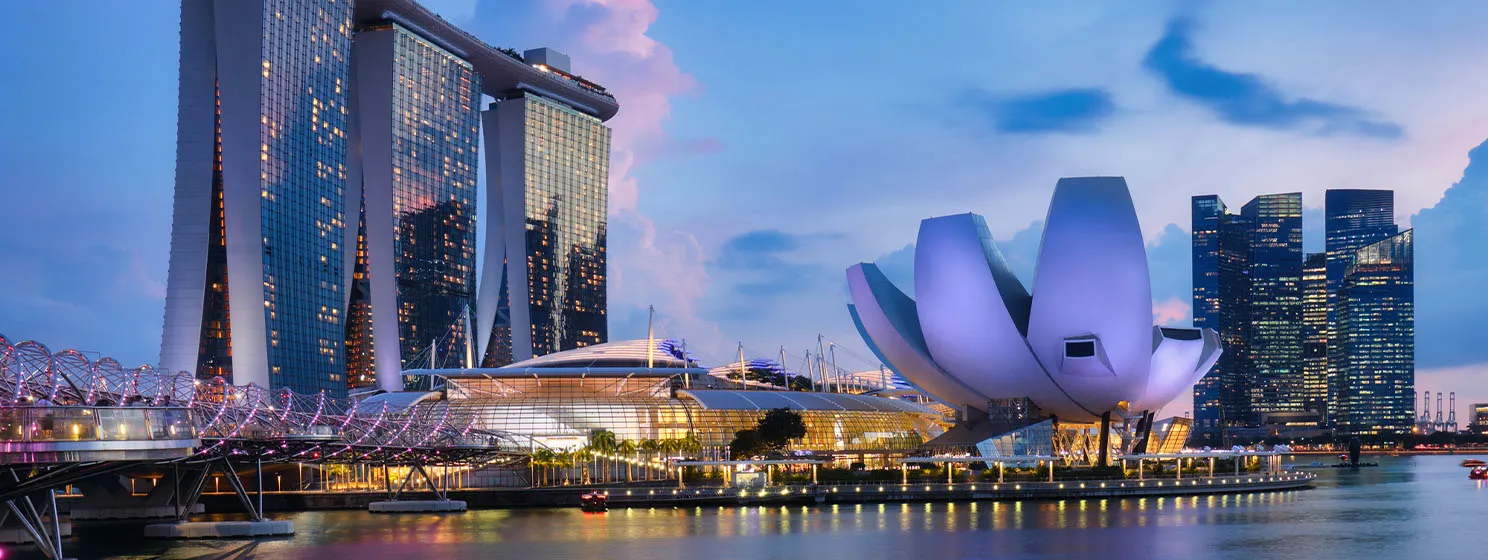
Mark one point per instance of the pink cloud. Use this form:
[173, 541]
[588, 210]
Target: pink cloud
[647, 268]
[1170, 312]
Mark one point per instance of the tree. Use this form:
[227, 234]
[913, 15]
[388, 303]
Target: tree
[774, 432]
[779, 426]
[650, 446]
[691, 445]
[603, 442]
[747, 443]
[544, 459]
[628, 449]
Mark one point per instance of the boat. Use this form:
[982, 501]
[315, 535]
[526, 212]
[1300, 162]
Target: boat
[594, 502]
[1474, 463]
[1478, 473]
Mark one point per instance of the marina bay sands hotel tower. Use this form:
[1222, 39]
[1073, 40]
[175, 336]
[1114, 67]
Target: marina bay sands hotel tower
[324, 233]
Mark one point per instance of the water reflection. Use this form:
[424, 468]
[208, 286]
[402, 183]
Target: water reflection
[1410, 507]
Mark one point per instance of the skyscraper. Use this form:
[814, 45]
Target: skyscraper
[256, 288]
[548, 202]
[1315, 333]
[1353, 218]
[1221, 287]
[326, 170]
[1275, 271]
[1376, 335]
[418, 118]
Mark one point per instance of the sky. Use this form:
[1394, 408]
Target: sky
[764, 147]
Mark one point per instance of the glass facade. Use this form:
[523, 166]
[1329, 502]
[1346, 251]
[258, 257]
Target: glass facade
[566, 178]
[359, 363]
[1376, 334]
[435, 104]
[1221, 257]
[1353, 218]
[561, 412]
[1315, 334]
[304, 100]
[1275, 271]
[301, 175]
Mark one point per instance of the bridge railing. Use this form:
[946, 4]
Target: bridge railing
[59, 393]
[85, 423]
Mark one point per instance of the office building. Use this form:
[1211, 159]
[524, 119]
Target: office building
[1376, 339]
[1275, 272]
[1479, 423]
[1221, 284]
[1353, 218]
[324, 213]
[1315, 334]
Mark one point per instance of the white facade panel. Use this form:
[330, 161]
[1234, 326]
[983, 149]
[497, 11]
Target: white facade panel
[373, 55]
[887, 318]
[239, 64]
[191, 216]
[1092, 280]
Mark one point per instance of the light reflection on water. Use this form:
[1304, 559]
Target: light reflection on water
[1422, 507]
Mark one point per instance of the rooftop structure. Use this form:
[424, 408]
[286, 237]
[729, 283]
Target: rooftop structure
[560, 399]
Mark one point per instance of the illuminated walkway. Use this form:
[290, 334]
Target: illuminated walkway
[65, 417]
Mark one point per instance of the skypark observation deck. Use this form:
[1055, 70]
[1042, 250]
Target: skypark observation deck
[501, 71]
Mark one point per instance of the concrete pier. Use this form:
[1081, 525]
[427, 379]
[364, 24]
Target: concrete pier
[417, 506]
[219, 529]
[130, 512]
[17, 535]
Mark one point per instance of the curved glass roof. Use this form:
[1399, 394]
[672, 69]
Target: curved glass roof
[666, 353]
[799, 400]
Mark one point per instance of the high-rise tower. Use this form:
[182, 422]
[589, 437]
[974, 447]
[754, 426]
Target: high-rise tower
[548, 204]
[1353, 218]
[417, 108]
[255, 290]
[1376, 336]
[1221, 256]
[1315, 333]
[324, 215]
[1275, 272]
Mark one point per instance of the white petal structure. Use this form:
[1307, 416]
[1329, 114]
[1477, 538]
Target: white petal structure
[1080, 346]
[887, 322]
[1179, 358]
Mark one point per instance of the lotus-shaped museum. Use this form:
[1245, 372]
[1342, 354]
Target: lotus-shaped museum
[1081, 345]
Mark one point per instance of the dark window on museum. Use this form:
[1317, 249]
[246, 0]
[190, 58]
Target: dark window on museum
[1079, 349]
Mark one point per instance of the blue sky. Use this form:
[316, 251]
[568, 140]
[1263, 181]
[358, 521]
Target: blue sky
[764, 147]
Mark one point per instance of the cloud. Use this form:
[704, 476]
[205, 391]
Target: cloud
[650, 263]
[1246, 99]
[1451, 271]
[1062, 110]
[1172, 311]
[768, 263]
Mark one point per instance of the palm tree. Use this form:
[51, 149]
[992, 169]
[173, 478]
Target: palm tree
[603, 442]
[691, 445]
[565, 461]
[650, 446]
[670, 447]
[581, 456]
[543, 458]
[627, 448]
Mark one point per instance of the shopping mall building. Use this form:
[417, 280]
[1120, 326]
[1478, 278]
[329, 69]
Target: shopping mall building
[646, 390]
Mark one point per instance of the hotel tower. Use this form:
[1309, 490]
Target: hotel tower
[324, 233]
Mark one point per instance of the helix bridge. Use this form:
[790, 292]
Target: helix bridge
[65, 417]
